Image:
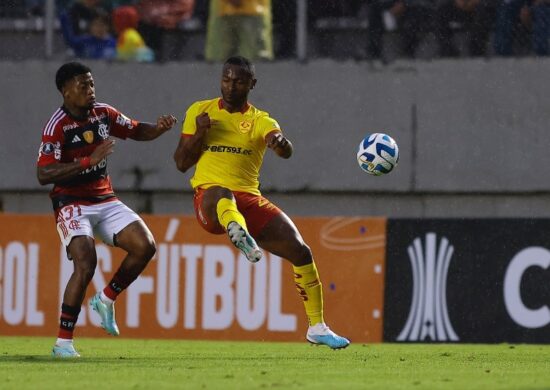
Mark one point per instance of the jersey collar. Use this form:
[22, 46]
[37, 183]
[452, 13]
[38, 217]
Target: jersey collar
[222, 107]
[78, 119]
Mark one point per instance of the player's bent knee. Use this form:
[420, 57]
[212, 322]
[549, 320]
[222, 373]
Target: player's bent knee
[151, 250]
[144, 249]
[302, 256]
[305, 254]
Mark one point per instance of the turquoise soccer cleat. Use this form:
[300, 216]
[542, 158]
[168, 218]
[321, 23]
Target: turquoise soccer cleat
[65, 350]
[107, 313]
[244, 241]
[320, 334]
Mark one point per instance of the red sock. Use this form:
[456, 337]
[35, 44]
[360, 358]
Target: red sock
[117, 285]
[67, 321]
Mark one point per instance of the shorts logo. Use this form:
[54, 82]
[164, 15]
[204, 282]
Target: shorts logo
[63, 229]
[88, 136]
[263, 202]
[74, 225]
[245, 126]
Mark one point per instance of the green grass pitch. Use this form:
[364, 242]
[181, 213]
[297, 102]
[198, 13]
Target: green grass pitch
[158, 364]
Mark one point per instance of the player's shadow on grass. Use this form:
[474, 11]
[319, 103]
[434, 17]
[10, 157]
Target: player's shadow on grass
[32, 359]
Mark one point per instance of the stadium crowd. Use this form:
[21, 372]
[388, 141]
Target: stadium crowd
[265, 29]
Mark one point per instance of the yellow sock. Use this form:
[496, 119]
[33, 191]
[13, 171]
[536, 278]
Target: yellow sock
[228, 212]
[310, 289]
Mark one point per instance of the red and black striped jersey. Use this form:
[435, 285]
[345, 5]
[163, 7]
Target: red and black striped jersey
[66, 139]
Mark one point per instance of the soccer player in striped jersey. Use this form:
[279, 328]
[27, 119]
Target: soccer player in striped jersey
[73, 157]
[226, 139]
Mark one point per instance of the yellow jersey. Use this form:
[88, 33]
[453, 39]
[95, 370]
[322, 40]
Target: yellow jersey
[234, 147]
[247, 7]
[130, 45]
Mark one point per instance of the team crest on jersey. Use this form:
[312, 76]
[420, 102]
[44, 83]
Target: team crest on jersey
[103, 131]
[245, 126]
[88, 136]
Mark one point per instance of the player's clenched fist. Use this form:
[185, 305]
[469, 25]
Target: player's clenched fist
[203, 121]
[166, 122]
[280, 144]
[277, 141]
[103, 150]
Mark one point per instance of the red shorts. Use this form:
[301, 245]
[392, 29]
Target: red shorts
[256, 210]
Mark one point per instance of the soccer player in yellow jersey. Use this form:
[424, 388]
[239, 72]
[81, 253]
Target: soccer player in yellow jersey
[226, 138]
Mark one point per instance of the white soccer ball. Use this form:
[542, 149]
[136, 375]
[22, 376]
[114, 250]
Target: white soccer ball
[378, 154]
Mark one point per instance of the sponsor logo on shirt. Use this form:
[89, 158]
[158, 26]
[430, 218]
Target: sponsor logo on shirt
[57, 151]
[70, 127]
[124, 121]
[227, 149]
[97, 118]
[47, 148]
[100, 165]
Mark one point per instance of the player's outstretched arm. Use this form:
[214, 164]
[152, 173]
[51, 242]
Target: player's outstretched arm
[57, 172]
[189, 147]
[148, 131]
[279, 144]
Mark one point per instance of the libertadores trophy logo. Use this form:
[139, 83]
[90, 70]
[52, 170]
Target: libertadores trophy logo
[428, 318]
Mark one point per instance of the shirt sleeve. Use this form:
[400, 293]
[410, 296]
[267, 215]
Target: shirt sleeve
[50, 148]
[121, 126]
[267, 125]
[189, 126]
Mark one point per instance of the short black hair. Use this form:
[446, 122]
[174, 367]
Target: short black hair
[242, 62]
[69, 70]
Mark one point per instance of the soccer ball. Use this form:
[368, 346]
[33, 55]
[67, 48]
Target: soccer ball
[378, 154]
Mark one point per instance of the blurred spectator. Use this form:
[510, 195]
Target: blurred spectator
[531, 14]
[200, 12]
[130, 45]
[158, 17]
[34, 7]
[332, 9]
[411, 17]
[239, 27]
[474, 16]
[538, 16]
[335, 23]
[284, 28]
[81, 14]
[120, 3]
[97, 43]
[21, 8]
